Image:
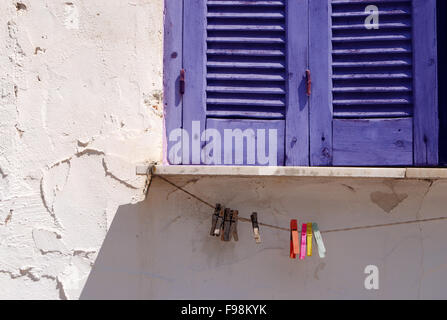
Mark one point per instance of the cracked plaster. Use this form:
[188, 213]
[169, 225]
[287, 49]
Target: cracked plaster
[74, 121]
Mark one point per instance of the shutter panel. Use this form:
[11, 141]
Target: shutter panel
[372, 69]
[426, 121]
[246, 72]
[374, 101]
[238, 74]
[246, 59]
[376, 80]
[372, 84]
[172, 63]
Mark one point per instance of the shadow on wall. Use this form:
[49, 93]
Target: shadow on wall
[116, 273]
[161, 248]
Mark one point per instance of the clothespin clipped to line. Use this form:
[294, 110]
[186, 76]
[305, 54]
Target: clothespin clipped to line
[294, 239]
[224, 223]
[215, 217]
[255, 225]
[230, 225]
[309, 239]
[225, 236]
[319, 239]
[307, 230]
[303, 241]
[233, 226]
[218, 220]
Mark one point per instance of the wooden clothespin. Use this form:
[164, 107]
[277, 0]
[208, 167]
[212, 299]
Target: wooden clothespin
[255, 225]
[319, 239]
[294, 240]
[219, 222]
[309, 239]
[233, 226]
[214, 219]
[226, 225]
[303, 241]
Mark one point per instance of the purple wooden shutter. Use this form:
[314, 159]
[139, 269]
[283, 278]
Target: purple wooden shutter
[383, 82]
[244, 63]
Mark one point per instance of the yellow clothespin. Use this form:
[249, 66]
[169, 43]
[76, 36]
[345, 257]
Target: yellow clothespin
[309, 239]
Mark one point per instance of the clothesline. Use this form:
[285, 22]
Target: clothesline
[288, 229]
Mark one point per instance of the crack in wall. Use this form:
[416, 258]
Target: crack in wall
[47, 206]
[23, 272]
[8, 217]
[111, 175]
[3, 174]
[418, 216]
[59, 286]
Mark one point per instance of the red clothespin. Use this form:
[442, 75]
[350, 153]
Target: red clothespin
[294, 240]
[303, 241]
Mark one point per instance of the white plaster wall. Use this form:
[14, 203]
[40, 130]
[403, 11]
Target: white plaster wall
[80, 105]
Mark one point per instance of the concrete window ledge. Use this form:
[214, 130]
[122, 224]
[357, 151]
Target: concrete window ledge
[336, 172]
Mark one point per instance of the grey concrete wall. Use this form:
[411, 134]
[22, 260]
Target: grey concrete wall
[160, 248]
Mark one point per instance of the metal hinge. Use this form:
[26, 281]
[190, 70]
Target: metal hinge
[182, 81]
[308, 83]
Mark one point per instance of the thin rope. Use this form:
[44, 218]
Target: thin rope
[323, 231]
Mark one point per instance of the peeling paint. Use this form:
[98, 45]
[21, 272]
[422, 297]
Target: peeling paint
[319, 268]
[48, 241]
[21, 6]
[71, 16]
[387, 201]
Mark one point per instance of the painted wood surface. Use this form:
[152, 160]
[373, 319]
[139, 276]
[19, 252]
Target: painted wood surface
[194, 63]
[384, 73]
[368, 142]
[320, 112]
[172, 64]
[426, 123]
[372, 68]
[246, 61]
[246, 70]
[442, 79]
[297, 114]
[249, 153]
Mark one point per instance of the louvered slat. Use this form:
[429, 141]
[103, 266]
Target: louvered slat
[246, 59]
[372, 69]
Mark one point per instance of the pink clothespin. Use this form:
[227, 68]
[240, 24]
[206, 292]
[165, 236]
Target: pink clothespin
[303, 241]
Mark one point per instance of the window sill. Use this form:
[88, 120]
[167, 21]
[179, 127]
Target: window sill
[305, 172]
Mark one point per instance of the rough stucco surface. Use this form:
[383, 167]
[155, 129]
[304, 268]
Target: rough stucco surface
[80, 105]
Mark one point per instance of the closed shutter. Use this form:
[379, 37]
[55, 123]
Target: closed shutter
[238, 74]
[246, 59]
[372, 84]
[377, 82]
[246, 69]
[374, 91]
